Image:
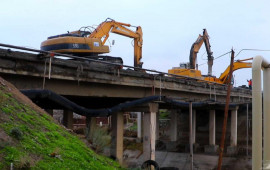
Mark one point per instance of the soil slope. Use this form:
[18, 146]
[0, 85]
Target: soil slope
[30, 138]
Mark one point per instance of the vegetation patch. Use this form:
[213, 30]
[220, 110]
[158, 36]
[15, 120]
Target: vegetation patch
[16, 133]
[132, 145]
[99, 138]
[29, 138]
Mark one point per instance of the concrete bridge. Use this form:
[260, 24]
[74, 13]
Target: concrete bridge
[99, 85]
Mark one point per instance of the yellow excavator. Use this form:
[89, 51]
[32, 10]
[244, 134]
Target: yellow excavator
[88, 43]
[191, 69]
[195, 49]
[223, 78]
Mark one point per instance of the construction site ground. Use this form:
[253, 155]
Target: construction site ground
[181, 161]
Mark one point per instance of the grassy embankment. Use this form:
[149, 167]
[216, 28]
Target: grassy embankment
[30, 138]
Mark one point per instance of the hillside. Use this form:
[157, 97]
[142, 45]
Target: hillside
[30, 138]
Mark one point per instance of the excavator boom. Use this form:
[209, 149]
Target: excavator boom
[188, 69]
[239, 64]
[195, 49]
[110, 25]
[92, 43]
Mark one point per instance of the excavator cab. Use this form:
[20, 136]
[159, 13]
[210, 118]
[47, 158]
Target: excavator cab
[184, 65]
[64, 35]
[84, 33]
[184, 70]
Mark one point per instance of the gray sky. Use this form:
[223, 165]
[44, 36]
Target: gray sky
[169, 27]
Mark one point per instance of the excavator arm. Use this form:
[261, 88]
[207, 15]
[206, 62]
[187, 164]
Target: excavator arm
[239, 64]
[195, 49]
[210, 57]
[109, 25]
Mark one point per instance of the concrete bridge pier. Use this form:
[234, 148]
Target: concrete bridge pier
[68, 119]
[194, 127]
[212, 147]
[173, 125]
[149, 132]
[157, 126]
[139, 126]
[171, 144]
[90, 126]
[117, 136]
[232, 149]
[194, 124]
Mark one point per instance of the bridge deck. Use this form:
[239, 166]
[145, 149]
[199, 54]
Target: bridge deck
[91, 79]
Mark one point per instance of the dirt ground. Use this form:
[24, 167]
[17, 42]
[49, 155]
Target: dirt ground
[134, 159]
[19, 96]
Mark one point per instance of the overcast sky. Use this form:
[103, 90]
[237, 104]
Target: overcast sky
[169, 27]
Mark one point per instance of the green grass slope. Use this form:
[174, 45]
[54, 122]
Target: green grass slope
[30, 138]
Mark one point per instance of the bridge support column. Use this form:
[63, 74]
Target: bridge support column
[195, 145]
[171, 144]
[157, 126]
[139, 125]
[212, 127]
[232, 149]
[90, 126]
[149, 132]
[194, 127]
[117, 136]
[212, 147]
[68, 119]
[173, 125]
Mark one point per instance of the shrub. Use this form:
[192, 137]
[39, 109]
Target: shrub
[16, 133]
[24, 163]
[99, 138]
